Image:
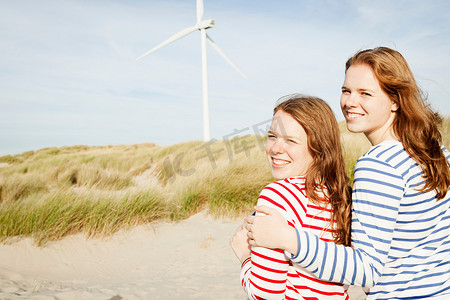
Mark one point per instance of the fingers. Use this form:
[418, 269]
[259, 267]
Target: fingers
[265, 209]
[252, 243]
[250, 239]
[249, 219]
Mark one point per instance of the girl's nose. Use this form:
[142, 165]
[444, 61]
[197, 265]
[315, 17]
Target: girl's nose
[350, 100]
[278, 146]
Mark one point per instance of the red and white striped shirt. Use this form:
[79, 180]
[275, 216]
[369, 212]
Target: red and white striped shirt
[269, 274]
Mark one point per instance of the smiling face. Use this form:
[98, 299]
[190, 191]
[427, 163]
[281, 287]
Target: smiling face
[287, 147]
[366, 107]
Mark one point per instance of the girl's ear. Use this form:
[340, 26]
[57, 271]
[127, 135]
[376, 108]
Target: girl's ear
[394, 107]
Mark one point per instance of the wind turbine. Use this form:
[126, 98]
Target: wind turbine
[201, 25]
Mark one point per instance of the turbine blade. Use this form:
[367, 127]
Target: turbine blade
[173, 38]
[214, 45]
[199, 10]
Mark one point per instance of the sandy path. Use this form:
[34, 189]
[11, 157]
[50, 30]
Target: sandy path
[187, 260]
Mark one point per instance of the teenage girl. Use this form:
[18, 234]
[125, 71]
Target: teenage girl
[304, 151]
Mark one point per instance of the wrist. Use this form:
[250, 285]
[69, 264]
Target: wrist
[290, 241]
[244, 260]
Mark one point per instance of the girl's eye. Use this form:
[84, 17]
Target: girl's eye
[345, 92]
[292, 141]
[271, 136]
[366, 94]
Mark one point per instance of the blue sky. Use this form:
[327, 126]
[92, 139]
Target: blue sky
[69, 76]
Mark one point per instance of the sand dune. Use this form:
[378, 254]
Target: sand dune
[190, 259]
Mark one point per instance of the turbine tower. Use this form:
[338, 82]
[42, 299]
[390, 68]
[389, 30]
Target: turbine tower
[201, 25]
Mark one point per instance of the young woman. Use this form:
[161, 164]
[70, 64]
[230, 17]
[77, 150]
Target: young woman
[401, 214]
[304, 151]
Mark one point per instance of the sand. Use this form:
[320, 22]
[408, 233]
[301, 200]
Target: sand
[190, 259]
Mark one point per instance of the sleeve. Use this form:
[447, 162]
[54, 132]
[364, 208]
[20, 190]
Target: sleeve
[377, 191]
[265, 275]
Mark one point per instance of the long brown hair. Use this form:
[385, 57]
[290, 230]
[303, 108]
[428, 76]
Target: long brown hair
[328, 167]
[415, 124]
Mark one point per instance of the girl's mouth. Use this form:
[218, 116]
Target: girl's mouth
[279, 162]
[353, 115]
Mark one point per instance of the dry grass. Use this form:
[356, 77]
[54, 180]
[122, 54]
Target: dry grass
[53, 192]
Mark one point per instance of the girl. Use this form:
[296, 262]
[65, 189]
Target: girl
[304, 151]
[401, 215]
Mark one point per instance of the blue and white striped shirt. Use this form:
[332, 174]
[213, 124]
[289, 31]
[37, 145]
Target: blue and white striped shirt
[401, 236]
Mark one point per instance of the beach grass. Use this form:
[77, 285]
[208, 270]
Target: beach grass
[50, 193]
[97, 190]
